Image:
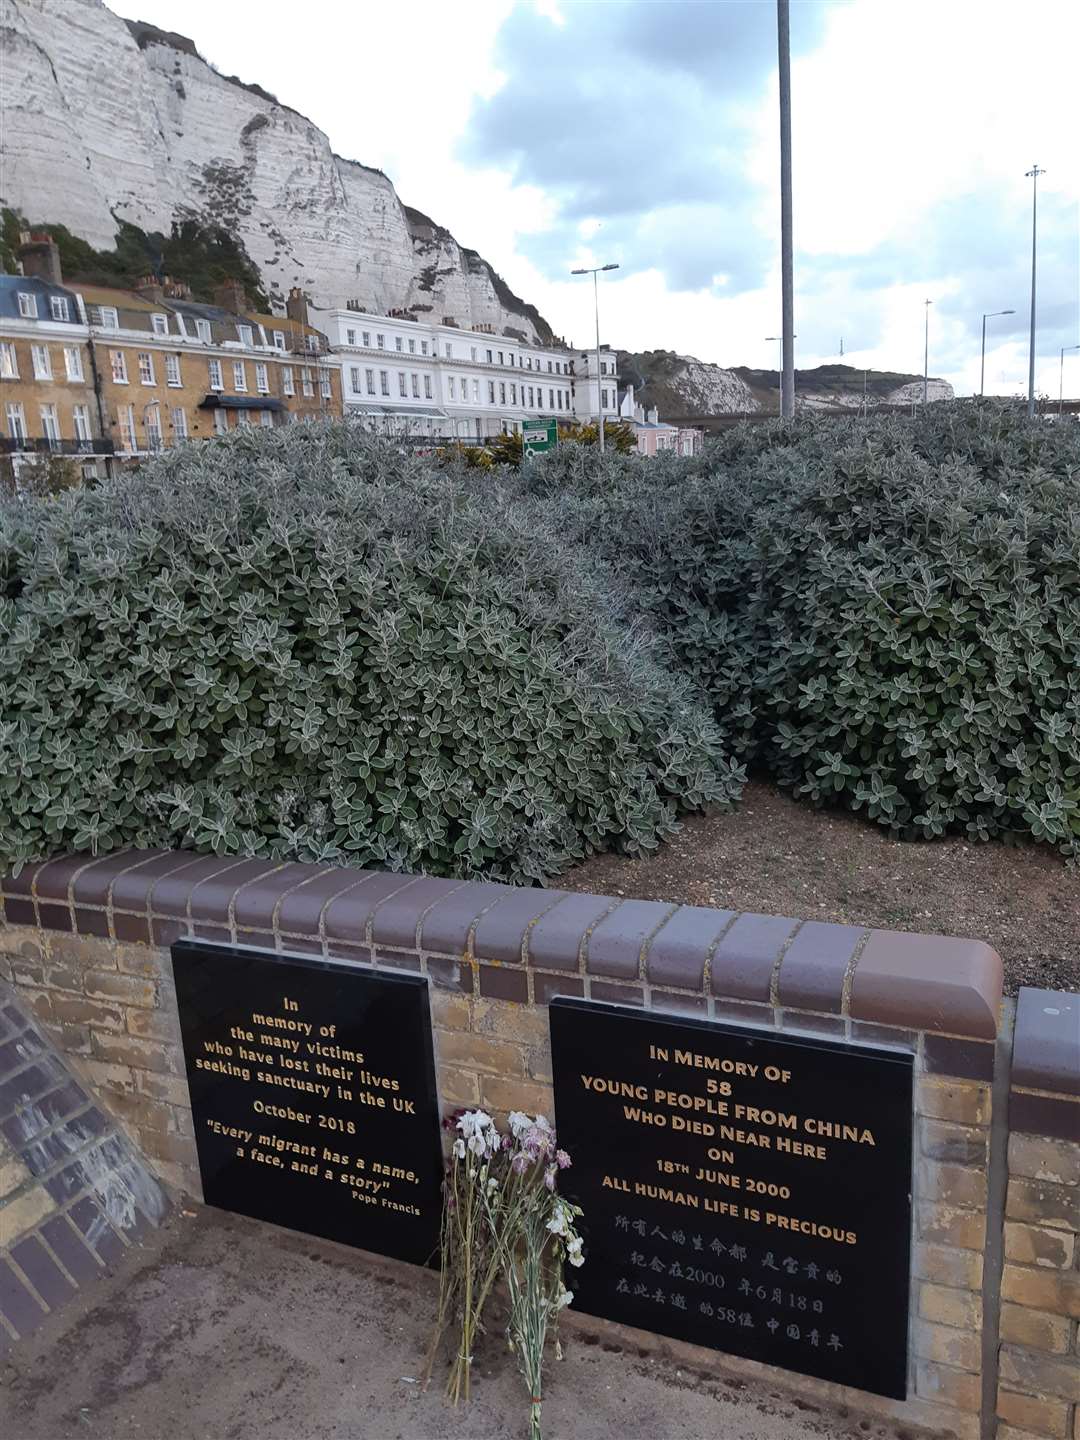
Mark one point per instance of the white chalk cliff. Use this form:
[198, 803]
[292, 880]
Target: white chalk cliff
[103, 122]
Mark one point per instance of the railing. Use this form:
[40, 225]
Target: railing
[38, 445]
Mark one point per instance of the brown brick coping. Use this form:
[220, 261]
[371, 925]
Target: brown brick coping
[502, 935]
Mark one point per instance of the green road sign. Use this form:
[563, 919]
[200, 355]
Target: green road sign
[537, 436]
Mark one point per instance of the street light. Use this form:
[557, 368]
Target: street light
[780, 341]
[596, 270]
[1061, 377]
[787, 272]
[1033, 175]
[982, 366]
[926, 350]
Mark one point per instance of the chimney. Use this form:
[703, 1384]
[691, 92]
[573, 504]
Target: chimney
[231, 295]
[296, 307]
[150, 288]
[39, 256]
[175, 289]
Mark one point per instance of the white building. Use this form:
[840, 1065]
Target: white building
[425, 378]
[592, 391]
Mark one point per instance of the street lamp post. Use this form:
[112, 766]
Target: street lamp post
[982, 364]
[787, 271]
[594, 271]
[926, 350]
[780, 341]
[1061, 377]
[1033, 175]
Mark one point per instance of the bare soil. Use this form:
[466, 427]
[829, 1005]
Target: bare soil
[782, 857]
[222, 1328]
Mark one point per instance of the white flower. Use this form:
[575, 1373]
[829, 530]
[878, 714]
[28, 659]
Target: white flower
[519, 1123]
[459, 1149]
[566, 1298]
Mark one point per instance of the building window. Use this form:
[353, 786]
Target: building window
[604, 399]
[488, 354]
[350, 337]
[549, 367]
[172, 370]
[39, 358]
[491, 392]
[354, 379]
[423, 347]
[58, 308]
[9, 361]
[80, 421]
[427, 387]
[530, 397]
[399, 343]
[412, 346]
[108, 317]
[307, 382]
[513, 393]
[365, 336]
[50, 429]
[27, 305]
[266, 419]
[449, 351]
[160, 324]
[202, 330]
[416, 387]
[216, 382]
[510, 358]
[239, 375]
[325, 388]
[279, 339]
[126, 417]
[16, 421]
[244, 333]
[472, 352]
[152, 425]
[402, 383]
[287, 387]
[384, 382]
[476, 392]
[221, 422]
[502, 392]
[262, 380]
[450, 385]
[179, 423]
[73, 362]
[380, 342]
[551, 399]
[146, 368]
[369, 378]
[243, 418]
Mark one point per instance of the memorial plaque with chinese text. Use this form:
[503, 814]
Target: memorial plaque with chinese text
[741, 1189]
[313, 1094]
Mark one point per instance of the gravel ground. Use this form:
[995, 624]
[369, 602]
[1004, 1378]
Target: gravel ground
[781, 857]
[221, 1328]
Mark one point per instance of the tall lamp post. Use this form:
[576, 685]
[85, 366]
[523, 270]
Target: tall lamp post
[926, 350]
[596, 270]
[1061, 377]
[982, 364]
[780, 341]
[787, 272]
[1032, 175]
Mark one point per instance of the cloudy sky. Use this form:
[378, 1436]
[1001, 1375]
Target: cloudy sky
[549, 133]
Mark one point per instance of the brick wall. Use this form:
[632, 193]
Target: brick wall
[86, 945]
[1039, 1377]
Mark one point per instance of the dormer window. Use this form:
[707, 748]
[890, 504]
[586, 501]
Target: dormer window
[244, 332]
[159, 324]
[58, 308]
[27, 305]
[202, 330]
[279, 339]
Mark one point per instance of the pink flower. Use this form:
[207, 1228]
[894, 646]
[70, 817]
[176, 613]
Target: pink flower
[549, 1177]
[562, 1159]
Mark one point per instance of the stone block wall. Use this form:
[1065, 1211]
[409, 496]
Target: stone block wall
[86, 942]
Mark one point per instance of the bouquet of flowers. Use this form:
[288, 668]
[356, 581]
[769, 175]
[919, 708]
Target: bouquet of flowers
[503, 1218]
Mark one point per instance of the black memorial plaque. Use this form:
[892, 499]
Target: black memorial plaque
[313, 1094]
[741, 1189]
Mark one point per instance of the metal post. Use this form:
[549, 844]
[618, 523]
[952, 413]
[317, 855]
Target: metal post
[599, 392]
[1061, 378]
[1033, 175]
[787, 274]
[926, 351]
[982, 363]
